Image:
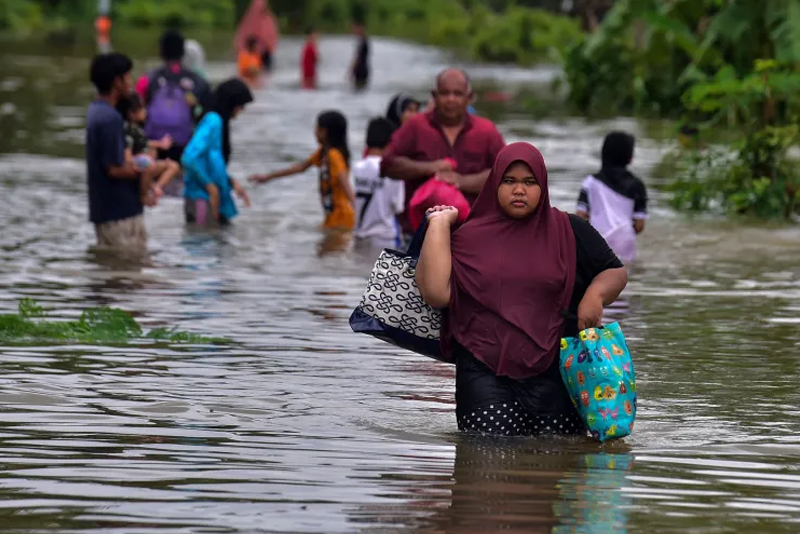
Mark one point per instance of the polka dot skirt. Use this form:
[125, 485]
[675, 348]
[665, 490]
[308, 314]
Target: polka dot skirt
[511, 419]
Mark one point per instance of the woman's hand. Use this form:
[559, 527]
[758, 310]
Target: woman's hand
[590, 311]
[213, 200]
[446, 214]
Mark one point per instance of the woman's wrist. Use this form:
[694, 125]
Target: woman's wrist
[439, 222]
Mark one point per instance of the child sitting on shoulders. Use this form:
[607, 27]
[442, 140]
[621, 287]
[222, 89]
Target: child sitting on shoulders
[378, 199]
[140, 151]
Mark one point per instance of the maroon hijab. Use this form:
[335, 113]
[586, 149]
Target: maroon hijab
[512, 278]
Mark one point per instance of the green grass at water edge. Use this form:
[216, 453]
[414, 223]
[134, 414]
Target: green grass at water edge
[95, 325]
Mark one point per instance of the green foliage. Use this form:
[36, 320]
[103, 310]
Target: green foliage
[524, 36]
[20, 15]
[666, 46]
[489, 30]
[756, 178]
[95, 325]
[176, 13]
[713, 63]
[769, 94]
[632, 63]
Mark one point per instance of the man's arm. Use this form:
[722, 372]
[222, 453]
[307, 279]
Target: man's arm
[126, 171]
[113, 150]
[403, 168]
[473, 183]
[397, 164]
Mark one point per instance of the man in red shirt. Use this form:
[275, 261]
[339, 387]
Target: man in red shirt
[309, 60]
[422, 147]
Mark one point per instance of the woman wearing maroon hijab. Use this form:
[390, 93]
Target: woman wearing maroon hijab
[512, 280]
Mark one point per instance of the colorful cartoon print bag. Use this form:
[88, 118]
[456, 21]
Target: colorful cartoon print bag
[598, 371]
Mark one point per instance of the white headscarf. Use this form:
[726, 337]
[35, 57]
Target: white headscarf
[194, 57]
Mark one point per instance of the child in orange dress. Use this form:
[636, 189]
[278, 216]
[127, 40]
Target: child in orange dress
[250, 66]
[333, 159]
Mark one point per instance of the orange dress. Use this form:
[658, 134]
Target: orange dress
[339, 212]
[249, 65]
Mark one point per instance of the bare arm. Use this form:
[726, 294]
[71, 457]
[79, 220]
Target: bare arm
[609, 284]
[126, 171]
[604, 289]
[435, 261]
[291, 170]
[473, 183]
[397, 164]
[297, 168]
[344, 179]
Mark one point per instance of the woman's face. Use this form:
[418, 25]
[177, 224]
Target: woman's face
[236, 111]
[411, 110]
[321, 135]
[519, 192]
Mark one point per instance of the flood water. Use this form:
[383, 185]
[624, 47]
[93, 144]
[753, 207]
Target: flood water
[301, 426]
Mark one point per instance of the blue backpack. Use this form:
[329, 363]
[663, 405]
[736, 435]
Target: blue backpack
[170, 108]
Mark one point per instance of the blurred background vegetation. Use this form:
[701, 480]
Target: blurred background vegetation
[523, 31]
[726, 71]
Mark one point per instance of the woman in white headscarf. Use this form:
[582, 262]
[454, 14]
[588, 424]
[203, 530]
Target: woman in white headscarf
[195, 57]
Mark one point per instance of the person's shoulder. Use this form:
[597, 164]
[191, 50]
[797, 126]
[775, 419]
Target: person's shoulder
[198, 82]
[638, 181]
[367, 167]
[101, 113]
[579, 225]
[361, 165]
[484, 127]
[418, 121]
[211, 120]
[334, 154]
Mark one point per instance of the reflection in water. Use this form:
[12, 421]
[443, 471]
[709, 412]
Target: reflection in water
[301, 426]
[524, 486]
[592, 499]
[334, 242]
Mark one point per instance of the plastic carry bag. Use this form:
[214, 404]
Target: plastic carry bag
[597, 370]
[435, 193]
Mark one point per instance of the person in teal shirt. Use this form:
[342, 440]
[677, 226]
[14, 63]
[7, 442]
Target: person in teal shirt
[209, 190]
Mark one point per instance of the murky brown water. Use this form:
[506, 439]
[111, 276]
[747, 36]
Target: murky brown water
[305, 427]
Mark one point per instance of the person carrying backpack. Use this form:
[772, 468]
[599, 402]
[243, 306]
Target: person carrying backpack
[176, 97]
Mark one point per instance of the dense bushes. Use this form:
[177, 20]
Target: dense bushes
[515, 35]
[715, 65]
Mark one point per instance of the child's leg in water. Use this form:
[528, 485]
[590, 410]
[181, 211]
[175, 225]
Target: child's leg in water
[146, 185]
[168, 170]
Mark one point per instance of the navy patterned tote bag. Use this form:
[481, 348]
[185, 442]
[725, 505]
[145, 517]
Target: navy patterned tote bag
[392, 308]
